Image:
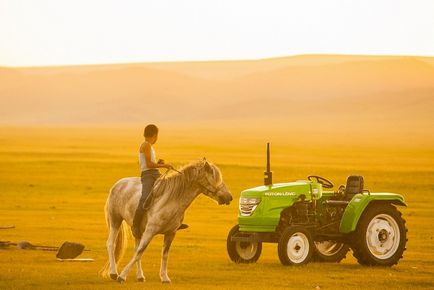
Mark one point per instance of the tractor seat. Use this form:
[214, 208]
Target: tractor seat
[354, 186]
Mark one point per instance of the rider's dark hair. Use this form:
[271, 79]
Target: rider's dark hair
[150, 130]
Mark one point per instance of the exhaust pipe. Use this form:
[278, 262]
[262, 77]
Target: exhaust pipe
[268, 175]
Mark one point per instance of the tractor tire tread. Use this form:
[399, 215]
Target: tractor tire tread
[232, 252]
[358, 236]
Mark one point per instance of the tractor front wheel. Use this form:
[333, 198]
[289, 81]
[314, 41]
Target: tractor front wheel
[380, 237]
[295, 246]
[242, 252]
[330, 251]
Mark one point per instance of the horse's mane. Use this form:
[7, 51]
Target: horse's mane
[175, 183]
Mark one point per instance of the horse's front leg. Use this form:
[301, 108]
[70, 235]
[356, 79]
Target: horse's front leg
[168, 238]
[140, 276]
[144, 242]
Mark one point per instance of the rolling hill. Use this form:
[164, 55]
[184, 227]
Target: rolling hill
[307, 90]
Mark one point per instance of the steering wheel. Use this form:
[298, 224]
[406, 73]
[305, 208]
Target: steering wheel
[324, 182]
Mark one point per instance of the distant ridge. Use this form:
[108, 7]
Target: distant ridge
[223, 69]
[340, 89]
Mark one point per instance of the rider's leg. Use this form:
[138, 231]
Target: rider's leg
[148, 179]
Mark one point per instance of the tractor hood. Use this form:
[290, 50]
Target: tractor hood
[260, 207]
[291, 190]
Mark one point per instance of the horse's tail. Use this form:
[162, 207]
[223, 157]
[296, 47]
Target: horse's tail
[121, 242]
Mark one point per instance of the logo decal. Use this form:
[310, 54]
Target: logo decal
[280, 193]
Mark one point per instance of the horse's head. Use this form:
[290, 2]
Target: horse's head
[211, 183]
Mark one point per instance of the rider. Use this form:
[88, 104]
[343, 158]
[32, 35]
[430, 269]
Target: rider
[149, 174]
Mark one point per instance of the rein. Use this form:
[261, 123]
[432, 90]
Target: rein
[173, 170]
[167, 171]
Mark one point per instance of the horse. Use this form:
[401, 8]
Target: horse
[171, 195]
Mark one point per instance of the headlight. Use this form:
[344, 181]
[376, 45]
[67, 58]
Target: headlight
[250, 200]
[248, 205]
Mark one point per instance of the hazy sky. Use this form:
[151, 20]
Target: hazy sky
[54, 32]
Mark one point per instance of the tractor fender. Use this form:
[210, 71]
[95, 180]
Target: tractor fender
[360, 202]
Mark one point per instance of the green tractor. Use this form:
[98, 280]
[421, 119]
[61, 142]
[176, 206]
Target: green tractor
[311, 222]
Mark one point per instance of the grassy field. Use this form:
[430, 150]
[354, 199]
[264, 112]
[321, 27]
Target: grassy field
[54, 182]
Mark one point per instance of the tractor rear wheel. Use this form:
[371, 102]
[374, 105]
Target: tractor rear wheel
[380, 237]
[242, 252]
[295, 246]
[330, 251]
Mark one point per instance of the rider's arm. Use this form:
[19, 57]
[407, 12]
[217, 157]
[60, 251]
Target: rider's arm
[146, 148]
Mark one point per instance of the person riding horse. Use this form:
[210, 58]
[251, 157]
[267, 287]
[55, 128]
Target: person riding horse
[149, 174]
[171, 195]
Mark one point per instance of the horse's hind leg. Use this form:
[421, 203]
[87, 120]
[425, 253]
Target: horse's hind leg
[140, 276]
[144, 242]
[113, 232]
[168, 238]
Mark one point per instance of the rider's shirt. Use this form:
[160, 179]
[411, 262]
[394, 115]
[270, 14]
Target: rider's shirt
[142, 160]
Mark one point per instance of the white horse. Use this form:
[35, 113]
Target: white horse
[171, 196]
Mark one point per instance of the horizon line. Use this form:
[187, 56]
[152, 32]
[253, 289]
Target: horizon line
[211, 60]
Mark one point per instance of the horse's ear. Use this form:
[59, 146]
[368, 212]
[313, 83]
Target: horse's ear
[204, 159]
[207, 167]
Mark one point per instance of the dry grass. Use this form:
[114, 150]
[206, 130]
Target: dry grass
[54, 182]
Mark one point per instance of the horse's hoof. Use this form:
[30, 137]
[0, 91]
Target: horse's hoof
[114, 276]
[120, 280]
[140, 279]
[166, 282]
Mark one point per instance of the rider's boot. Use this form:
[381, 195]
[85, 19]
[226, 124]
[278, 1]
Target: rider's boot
[182, 227]
[135, 228]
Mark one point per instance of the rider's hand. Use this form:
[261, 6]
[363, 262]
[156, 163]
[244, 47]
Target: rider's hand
[160, 161]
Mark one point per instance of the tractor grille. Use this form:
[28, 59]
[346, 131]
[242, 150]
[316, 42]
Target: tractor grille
[248, 205]
[247, 209]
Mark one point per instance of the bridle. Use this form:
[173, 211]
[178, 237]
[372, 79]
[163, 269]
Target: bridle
[207, 189]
